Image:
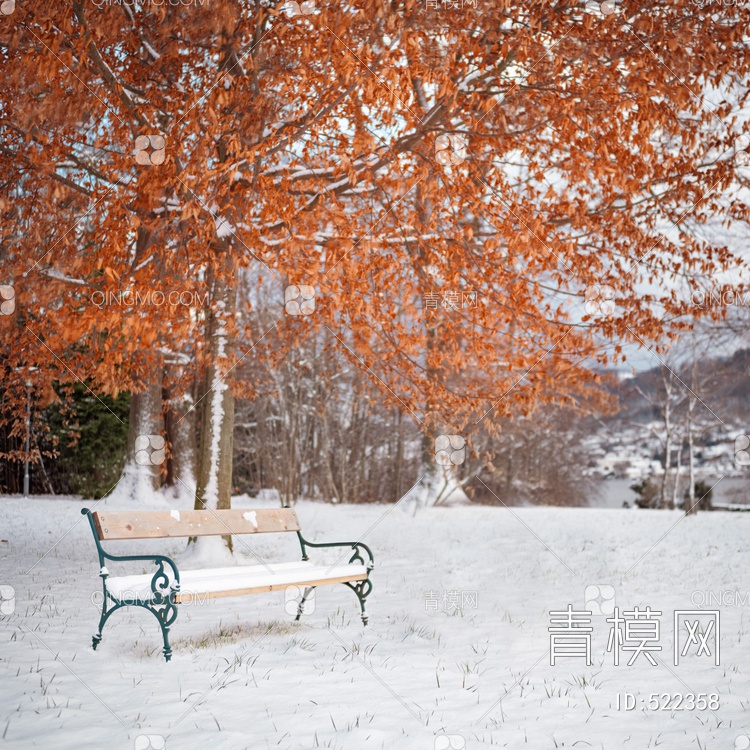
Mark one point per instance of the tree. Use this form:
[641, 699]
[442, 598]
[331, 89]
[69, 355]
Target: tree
[84, 448]
[668, 399]
[506, 161]
[699, 382]
[537, 460]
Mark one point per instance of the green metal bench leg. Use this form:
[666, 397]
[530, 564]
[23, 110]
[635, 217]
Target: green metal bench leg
[301, 605]
[362, 589]
[165, 618]
[167, 648]
[106, 613]
[96, 639]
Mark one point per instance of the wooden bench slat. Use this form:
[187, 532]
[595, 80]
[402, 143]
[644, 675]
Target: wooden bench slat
[159, 524]
[187, 596]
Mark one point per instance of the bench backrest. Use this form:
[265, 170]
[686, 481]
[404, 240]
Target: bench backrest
[157, 524]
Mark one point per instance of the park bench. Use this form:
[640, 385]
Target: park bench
[161, 592]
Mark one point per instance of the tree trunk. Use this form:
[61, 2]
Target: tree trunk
[214, 489]
[182, 463]
[690, 504]
[334, 495]
[141, 476]
[676, 485]
[667, 467]
[399, 455]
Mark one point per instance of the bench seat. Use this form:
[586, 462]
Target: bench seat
[162, 591]
[247, 579]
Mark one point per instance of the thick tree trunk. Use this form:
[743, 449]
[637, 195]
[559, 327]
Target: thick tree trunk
[182, 464]
[214, 489]
[142, 474]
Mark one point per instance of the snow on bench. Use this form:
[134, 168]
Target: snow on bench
[161, 592]
[247, 579]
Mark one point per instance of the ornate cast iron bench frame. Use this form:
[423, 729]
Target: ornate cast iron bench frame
[164, 595]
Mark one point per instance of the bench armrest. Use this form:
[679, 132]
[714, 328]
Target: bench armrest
[162, 587]
[356, 546]
[160, 583]
[159, 560]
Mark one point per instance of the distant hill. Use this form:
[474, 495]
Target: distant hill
[725, 390]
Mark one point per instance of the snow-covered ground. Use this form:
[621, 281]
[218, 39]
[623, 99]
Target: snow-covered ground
[244, 675]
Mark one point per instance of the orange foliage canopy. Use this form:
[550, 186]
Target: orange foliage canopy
[450, 180]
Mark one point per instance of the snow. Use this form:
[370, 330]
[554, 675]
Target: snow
[55, 274]
[223, 228]
[243, 674]
[207, 552]
[213, 580]
[135, 488]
